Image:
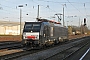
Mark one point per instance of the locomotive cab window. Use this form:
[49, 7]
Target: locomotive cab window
[36, 26]
[28, 26]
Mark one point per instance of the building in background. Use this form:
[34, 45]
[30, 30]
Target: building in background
[10, 28]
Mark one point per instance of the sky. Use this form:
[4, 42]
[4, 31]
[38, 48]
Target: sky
[74, 10]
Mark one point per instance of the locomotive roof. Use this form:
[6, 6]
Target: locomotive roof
[47, 22]
[32, 22]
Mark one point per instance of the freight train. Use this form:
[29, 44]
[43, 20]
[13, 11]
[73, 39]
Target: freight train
[43, 33]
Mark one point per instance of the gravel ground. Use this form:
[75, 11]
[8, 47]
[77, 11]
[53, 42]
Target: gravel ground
[10, 38]
[5, 52]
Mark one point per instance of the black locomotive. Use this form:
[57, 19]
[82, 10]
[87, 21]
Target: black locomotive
[43, 33]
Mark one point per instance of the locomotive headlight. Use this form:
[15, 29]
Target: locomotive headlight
[31, 31]
[59, 38]
[25, 41]
[45, 41]
[49, 40]
[24, 37]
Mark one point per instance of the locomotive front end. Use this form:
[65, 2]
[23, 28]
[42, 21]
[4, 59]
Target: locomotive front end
[31, 34]
[31, 38]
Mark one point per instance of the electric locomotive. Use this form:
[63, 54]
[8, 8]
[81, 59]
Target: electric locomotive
[43, 33]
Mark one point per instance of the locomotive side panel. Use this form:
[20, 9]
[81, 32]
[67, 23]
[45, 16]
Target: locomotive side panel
[45, 36]
[60, 33]
[48, 35]
[65, 33]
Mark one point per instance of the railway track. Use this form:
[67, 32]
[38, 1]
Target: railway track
[63, 55]
[25, 52]
[22, 53]
[9, 45]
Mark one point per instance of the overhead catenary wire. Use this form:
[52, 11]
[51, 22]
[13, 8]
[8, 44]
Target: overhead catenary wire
[15, 8]
[63, 2]
[9, 13]
[76, 8]
[46, 7]
[69, 3]
[49, 1]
